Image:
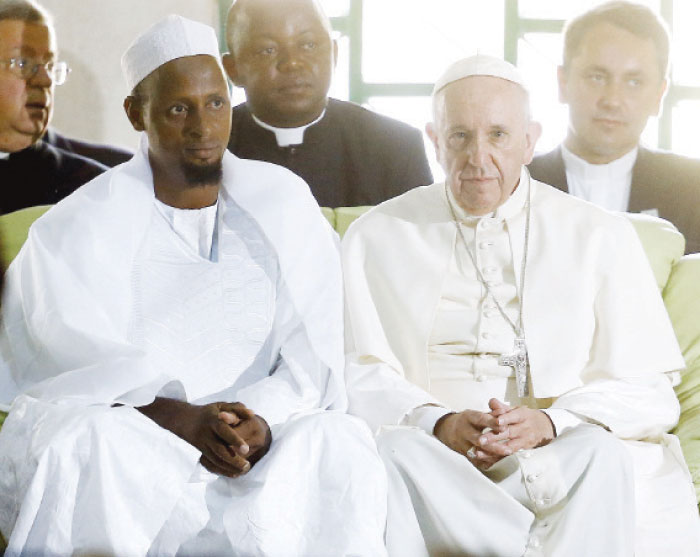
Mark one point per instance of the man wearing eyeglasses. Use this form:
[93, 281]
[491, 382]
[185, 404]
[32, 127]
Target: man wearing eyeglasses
[32, 171]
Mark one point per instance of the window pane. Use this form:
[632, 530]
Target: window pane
[556, 9]
[551, 9]
[538, 58]
[237, 95]
[686, 116]
[650, 135]
[340, 85]
[336, 8]
[686, 42]
[416, 111]
[413, 41]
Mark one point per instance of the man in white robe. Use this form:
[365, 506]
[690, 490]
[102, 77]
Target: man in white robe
[173, 335]
[575, 460]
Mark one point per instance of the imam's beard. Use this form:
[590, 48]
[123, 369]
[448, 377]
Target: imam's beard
[197, 175]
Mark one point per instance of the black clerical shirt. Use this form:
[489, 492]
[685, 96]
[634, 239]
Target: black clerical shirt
[352, 156]
[42, 175]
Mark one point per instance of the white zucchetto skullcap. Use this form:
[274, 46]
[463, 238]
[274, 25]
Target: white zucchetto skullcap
[172, 37]
[479, 65]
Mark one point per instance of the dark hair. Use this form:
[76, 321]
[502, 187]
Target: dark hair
[634, 18]
[24, 10]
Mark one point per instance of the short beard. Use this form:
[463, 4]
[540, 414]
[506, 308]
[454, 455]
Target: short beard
[197, 175]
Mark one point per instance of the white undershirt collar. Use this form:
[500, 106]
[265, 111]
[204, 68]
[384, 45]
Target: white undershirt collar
[617, 169]
[4, 156]
[194, 226]
[607, 185]
[287, 136]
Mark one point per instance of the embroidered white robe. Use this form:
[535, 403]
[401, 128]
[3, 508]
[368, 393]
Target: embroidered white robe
[107, 304]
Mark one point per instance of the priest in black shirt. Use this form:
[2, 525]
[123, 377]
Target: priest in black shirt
[283, 55]
[32, 171]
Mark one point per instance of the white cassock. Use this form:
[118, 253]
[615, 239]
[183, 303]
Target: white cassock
[117, 298]
[422, 332]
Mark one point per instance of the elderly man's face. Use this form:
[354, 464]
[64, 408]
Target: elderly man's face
[612, 86]
[284, 60]
[25, 105]
[482, 137]
[187, 116]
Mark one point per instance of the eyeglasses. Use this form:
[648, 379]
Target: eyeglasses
[26, 68]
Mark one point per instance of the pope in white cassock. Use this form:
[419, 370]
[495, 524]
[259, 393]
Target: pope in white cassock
[512, 342]
[173, 333]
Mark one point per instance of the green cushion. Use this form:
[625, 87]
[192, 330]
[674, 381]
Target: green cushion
[329, 214]
[345, 215]
[662, 242]
[2, 540]
[682, 299]
[14, 228]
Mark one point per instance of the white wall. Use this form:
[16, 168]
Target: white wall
[92, 35]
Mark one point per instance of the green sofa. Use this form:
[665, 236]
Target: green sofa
[677, 276]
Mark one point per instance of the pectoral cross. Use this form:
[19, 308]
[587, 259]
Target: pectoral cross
[518, 361]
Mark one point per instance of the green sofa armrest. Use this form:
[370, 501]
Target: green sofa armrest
[14, 228]
[341, 217]
[682, 299]
[2, 540]
[329, 214]
[662, 242]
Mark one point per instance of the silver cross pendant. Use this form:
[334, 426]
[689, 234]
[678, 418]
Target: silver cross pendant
[518, 361]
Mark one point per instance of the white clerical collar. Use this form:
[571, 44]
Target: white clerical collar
[513, 205]
[4, 156]
[617, 170]
[287, 136]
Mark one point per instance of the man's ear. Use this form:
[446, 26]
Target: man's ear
[432, 134]
[134, 112]
[562, 80]
[533, 133]
[663, 87]
[231, 68]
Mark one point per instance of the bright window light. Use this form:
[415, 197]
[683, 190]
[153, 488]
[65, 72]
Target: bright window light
[538, 58]
[556, 9]
[686, 42]
[416, 111]
[336, 8]
[412, 41]
[686, 116]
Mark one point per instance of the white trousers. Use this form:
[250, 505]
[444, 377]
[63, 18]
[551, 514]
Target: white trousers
[571, 498]
[666, 508]
[109, 481]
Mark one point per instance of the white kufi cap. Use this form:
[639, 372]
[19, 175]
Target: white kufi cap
[172, 37]
[479, 65]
